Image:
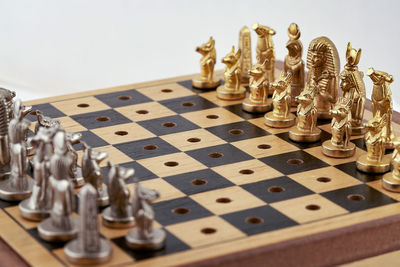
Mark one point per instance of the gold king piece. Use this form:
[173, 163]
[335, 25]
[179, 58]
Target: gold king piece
[391, 180]
[375, 161]
[245, 47]
[280, 116]
[232, 90]
[382, 101]
[206, 80]
[293, 62]
[340, 146]
[324, 65]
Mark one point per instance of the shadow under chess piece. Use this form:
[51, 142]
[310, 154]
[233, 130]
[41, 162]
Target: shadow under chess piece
[6, 114]
[391, 180]
[119, 213]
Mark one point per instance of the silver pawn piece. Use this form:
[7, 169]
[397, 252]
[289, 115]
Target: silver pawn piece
[75, 171]
[93, 174]
[60, 226]
[119, 214]
[144, 236]
[6, 114]
[89, 247]
[17, 186]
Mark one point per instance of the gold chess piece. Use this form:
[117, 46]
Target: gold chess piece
[306, 129]
[245, 47]
[206, 80]
[391, 180]
[353, 87]
[340, 146]
[232, 90]
[382, 101]
[280, 116]
[265, 50]
[293, 62]
[324, 65]
[258, 97]
[375, 161]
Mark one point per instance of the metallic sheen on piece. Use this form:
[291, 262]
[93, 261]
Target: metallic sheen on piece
[75, 172]
[245, 59]
[391, 180]
[6, 114]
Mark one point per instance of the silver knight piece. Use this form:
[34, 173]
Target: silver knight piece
[144, 236]
[44, 121]
[119, 213]
[75, 171]
[6, 114]
[18, 186]
[89, 247]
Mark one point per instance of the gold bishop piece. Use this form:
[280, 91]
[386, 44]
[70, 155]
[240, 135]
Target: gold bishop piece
[245, 58]
[391, 180]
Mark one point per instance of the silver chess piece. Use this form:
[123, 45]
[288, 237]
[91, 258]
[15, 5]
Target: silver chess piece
[60, 226]
[119, 213]
[6, 114]
[44, 121]
[144, 236]
[88, 247]
[75, 171]
[93, 174]
[18, 186]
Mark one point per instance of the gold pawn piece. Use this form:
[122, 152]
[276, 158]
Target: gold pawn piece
[245, 47]
[324, 65]
[280, 116]
[306, 129]
[382, 101]
[293, 62]
[232, 90]
[391, 180]
[206, 80]
[353, 87]
[375, 161]
[265, 50]
[340, 146]
[258, 97]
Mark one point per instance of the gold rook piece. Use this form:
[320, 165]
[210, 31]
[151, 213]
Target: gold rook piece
[245, 47]
[375, 161]
[391, 180]
[340, 146]
[280, 116]
[232, 90]
[293, 62]
[306, 129]
[324, 65]
[353, 87]
[265, 50]
[382, 101]
[206, 80]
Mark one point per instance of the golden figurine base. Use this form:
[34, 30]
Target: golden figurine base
[223, 93]
[198, 82]
[276, 122]
[391, 182]
[304, 136]
[365, 165]
[254, 107]
[324, 115]
[333, 151]
[358, 130]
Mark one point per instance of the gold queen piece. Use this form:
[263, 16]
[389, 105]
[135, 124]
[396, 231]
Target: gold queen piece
[391, 180]
[245, 47]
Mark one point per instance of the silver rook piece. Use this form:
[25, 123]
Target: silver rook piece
[6, 114]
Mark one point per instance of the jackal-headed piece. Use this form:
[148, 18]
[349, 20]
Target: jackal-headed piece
[306, 111]
[281, 98]
[44, 121]
[205, 79]
[341, 122]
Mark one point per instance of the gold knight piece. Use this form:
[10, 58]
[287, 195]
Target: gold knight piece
[391, 181]
[245, 47]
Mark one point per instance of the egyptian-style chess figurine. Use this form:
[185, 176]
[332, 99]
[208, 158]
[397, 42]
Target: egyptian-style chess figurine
[232, 89]
[293, 62]
[119, 213]
[44, 121]
[324, 65]
[258, 97]
[306, 129]
[353, 87]
[144, 236]
[265, 50]
[391, 180]
[206, 78]
[38, 206]
[340, 146]
[382, 101]
[75, 171]
[89, 247]
[6, 114]
[245, 59]
[18, 186]
[280, 116]
[375, 161]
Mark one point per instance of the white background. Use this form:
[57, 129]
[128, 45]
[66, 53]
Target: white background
[57, 47]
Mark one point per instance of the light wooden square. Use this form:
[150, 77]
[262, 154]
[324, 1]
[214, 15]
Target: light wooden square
[162, 92]
[122, 133]
[116, 156]
[378, 186]
[200, 117]
[71, 125]
[166, 190]
[191, 232]
[317, 152]
[297, 210]
[158, 166]
[325, 179]
[260, 122]
[245, 172]
[212, 96]
[14, 212]
[78, 105]
[145, 111]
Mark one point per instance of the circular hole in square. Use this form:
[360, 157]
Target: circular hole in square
[264, 146]
[276, 189]
[142, 111]
[356, 197]
[150, 147]
[313, 207]
[121, 133]
[246, 171]
[83, 105]
[166, 90]
[194, 140]
[171, 163]
[212, 117]
[208, 230]
[295, 161]
[199, 182]
[215, 155]
[254, 220]
[169, 124]
[187, 104]
[223, 200]
[181, 210]
[324, 179]
[236, 131]
[124, 97]
[102, 118]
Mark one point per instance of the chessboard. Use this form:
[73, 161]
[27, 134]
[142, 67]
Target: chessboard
[233, 191]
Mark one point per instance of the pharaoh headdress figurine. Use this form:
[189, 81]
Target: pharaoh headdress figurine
[6, 114]
[245, 47]
[324, 65]
[391, 180]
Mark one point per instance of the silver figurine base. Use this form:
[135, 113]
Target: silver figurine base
[115, 222]
[32, 214]
[76, 255]
[9, 193]
[47, 231]
[155, 242]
